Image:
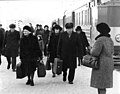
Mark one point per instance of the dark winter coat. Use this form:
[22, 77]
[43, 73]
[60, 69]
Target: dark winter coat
[2, 31]
[103, 77]
[29, 53]
[67, 49]
[84, 41]
[11, 43]
[52, 46]
[45, 36]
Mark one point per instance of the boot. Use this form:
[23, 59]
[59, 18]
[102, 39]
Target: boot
[28, 82]
[32, 83]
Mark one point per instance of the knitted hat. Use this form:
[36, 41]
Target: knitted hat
[27, 28]
[12, 26]
[69, 25]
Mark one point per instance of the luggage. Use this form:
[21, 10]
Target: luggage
[57, 67]
[19, 71]
[41, 70]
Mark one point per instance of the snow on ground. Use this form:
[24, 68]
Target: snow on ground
[48, 85]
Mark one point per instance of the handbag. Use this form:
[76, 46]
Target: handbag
[41, 70]
[19, 71]
[90, 61]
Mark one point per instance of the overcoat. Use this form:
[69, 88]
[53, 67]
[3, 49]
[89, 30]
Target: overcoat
[67, 49]
[2, 31]
[29, 53]
[11, 43]
[103, 77]
[84, 42]
[52, 46]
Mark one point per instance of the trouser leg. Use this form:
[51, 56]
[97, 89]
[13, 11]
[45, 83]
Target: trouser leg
[101, 91]
[9, 62]
[45, 52]
[13, 63]
[64, 74]
[78, 61]
[0, 59]
[32, 76]
[71, 75]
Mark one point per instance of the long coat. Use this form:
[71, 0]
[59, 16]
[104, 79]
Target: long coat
[84, 42]
[67, 49]
[52, 46]
[103, 77]
[2, 31]
[11, 43]
[29, 53]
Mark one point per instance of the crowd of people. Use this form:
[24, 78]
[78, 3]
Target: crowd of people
[35, 43]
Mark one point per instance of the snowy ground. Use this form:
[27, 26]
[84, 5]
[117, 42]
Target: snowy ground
[48, 85]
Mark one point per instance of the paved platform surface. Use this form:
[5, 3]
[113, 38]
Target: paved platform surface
[48, 85]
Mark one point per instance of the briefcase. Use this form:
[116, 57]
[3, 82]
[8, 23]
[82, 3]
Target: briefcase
[57, 67]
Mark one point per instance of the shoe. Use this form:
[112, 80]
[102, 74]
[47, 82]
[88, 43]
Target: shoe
[64, 79]
[14, 70]
[8, 67]
[70, 82]
[28, 82]
[79, 64]
[32, 83]
[54, 75]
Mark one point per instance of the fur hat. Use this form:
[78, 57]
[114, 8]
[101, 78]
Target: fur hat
[103, 28]
[78, 28]
[27, 28]
[69, 25]
[46, 26]
[12, 26]
[57, 27]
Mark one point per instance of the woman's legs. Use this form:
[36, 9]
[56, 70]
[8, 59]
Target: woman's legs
[9, 62]
[32, 77]
[28, 81]
[101, 91]
[79, 61]
[53, 71]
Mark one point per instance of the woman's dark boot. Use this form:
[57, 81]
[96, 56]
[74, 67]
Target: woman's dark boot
[32, 83]
[28, 82]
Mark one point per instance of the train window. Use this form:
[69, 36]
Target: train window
[86, 17]
[83, 17]
[76, 19]
[89, 16]
[79, 18]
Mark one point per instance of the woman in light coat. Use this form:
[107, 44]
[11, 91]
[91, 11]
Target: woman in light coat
[103, 47]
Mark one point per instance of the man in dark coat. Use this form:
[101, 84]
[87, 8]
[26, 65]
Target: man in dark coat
[45, 38]
[11, 44]
[67, 48]
[2, 31]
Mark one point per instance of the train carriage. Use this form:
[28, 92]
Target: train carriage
[92, 13]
